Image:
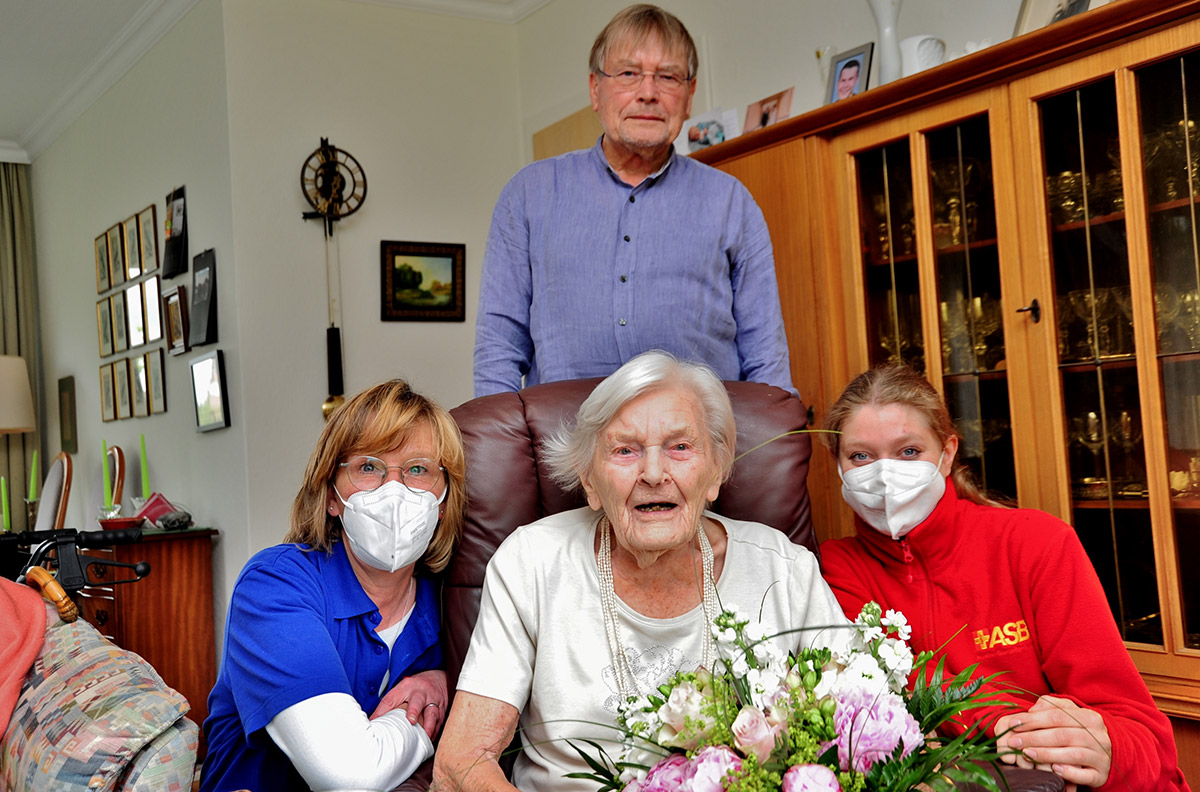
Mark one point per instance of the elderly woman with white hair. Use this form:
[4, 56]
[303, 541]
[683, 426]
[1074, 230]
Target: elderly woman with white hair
[583, 609]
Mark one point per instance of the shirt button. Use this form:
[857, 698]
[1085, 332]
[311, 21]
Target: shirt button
[632, 199]
[375, 617]
[621, 322]
[378, 650]
[623, 279]
[627, 237]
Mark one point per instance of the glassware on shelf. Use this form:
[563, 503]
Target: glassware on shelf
[956, 343]
[1189, 317]
[955, 185]
[1127, 433]
[1166, 308]
[1065, 194]
[985, 320]
[1097, 310]
[1123, 300]
[1088, 431]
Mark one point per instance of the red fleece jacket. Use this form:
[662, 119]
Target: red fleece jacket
[22, 630]
[1012, 590]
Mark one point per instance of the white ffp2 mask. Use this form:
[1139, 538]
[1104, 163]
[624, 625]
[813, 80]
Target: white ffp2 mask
[893, 496]
[390, 527]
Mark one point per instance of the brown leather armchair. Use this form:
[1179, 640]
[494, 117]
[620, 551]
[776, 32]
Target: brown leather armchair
[508, 486]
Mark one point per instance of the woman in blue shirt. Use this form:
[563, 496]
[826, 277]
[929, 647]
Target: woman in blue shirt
[331, 672]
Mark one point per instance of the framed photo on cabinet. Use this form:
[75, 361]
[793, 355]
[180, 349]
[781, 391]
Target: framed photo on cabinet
[147, 221]
[120, 373]
[108, 397]
[102, 279]
[104, 326]
[116, 257]
[1036, 14]
[156, 386]
[120, 323]
[138, 386]
[210, 391]
[175, 313]
[133, 249]
[850, 73]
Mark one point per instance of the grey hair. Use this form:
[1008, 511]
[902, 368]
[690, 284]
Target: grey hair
[569, 452]
[637, 23]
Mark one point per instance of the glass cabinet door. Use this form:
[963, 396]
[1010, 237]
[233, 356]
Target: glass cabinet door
[1169, 98]
[889, 256]
[1097, 351]
[967, 279]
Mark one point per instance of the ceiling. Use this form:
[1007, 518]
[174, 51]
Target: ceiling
[59, 56]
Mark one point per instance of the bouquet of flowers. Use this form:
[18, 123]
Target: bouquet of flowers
[822, 720]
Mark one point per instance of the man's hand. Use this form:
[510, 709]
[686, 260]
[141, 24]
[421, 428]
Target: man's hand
[1059, 736]
[423, 698]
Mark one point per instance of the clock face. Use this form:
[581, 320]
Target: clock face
[333, 182]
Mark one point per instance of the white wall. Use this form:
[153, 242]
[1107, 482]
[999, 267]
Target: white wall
[748, 50]
[164, 124]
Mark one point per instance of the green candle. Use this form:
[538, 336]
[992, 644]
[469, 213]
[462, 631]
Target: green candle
[107, 480]
[4, 504]
[33, 477]
[145, 472]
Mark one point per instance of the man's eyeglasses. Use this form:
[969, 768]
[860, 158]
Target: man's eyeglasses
[667, 82]
[368, 473]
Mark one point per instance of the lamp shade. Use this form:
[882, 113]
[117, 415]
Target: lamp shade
[16, 399]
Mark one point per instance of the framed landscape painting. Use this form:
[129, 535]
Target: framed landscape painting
[422, 282]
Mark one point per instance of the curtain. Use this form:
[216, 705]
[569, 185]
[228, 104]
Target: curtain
[19, 327]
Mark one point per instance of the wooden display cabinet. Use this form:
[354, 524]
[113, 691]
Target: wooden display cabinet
[166, 617]
[921, 221]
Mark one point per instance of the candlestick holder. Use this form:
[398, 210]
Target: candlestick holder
[109, 512]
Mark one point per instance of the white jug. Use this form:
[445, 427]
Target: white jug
[918, 53]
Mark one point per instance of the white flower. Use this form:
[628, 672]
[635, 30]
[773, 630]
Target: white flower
[897, 621]
[897, 660]
[755, 631]
[871, 634]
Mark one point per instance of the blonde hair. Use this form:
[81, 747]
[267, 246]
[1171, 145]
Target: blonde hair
[638, 23]
[379, 419]
[894, 383]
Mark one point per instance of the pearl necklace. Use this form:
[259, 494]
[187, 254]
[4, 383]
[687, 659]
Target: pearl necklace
[608, 602]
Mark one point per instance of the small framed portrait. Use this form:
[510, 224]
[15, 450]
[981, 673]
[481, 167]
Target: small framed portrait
[120, 373]
[102, 279]
[210, 391]
[422, 282]
[771, 110]
[66, 415]
[147, 221]
[120, 323]
[156, 385]
[108, 394]
[707, 129]
[850, 73]
[153, 303]
[133, 248]
[104, 326]
[116, 256]
[1035, 14]
[175, 314]
[138, 386]
[135, 315]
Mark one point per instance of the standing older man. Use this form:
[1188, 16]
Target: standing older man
[598, 255]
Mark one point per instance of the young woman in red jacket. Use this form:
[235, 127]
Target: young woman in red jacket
[1009, 589]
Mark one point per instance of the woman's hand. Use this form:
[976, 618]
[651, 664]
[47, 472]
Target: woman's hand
[422, 696]
[1059, 736]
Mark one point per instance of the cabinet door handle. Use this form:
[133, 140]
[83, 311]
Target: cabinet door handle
[101, 617]
[1033, 310]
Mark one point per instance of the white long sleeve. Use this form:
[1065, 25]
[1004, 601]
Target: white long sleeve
[336, 748]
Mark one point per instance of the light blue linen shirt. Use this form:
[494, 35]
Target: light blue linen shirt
[583, 272]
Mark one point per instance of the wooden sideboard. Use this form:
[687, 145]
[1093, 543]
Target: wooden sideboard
[167, 617]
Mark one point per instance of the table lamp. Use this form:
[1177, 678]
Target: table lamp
[16, 398]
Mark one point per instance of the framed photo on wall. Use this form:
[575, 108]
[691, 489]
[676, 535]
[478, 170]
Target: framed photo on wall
[138, 386]
[156, 385]
[120, 373]
[210, 391]
[154, 329]
[850, 73]
[422, 282]
[104, 326]
[120, 323]
[147, 221]
[204, 299]
[175, 313]
[134, 315]
[133, 248]
[66, 415]
[116, 256]
[108, 396]
[102, 279]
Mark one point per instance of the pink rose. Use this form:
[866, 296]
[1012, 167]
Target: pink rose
[810, 778]
[710, 767]
[669, 775]
[752, 734]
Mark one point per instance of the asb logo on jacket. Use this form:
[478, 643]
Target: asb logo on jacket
[1009, 634]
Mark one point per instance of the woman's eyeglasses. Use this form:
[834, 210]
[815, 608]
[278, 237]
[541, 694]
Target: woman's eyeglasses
[368, 473]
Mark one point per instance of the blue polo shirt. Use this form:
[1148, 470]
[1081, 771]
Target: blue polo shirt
[300, 625]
